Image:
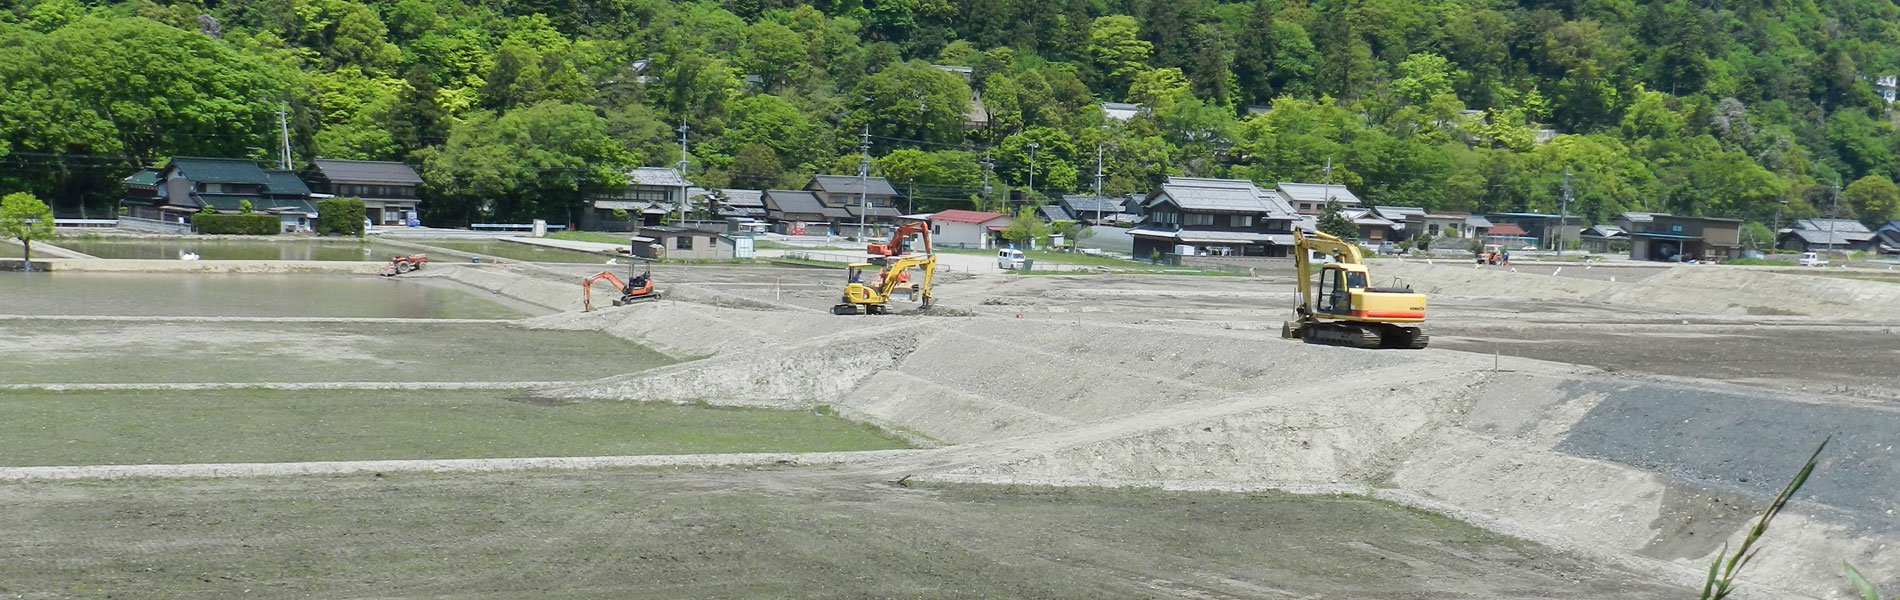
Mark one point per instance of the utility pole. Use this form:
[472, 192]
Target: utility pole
[1833, 217]
[283, 135]
[1563, 215]
[683, 163]
[910, 202]
[1098, 183]
[1326, 197]
[1031, 196]
[988, 166]
[864, 176]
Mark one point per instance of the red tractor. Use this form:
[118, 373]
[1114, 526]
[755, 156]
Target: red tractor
[404, 264]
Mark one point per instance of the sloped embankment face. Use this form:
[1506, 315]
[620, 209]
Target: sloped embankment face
[1683, 288]
[1658, 473]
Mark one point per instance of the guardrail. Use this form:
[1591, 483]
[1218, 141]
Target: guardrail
[153, 225]
[511, 227]
[85, 222]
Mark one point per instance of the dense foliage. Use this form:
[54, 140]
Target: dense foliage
[340, 216]
[25, 218]
[516, 108]
[243, 224]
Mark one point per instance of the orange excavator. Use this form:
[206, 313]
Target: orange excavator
[634, 290]
[900, 239]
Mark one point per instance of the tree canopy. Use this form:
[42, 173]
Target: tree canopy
[514, 110]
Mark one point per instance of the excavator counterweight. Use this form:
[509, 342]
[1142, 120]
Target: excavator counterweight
[1342, 309]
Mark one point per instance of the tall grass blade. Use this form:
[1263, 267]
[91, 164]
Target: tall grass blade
[1866, 588]
[1724, 571]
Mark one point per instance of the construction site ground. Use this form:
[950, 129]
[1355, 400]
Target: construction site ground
[1596, 434]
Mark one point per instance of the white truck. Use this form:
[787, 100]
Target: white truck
[1812, 259]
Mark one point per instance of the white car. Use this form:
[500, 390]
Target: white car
[1812, 259]
[1009, 259]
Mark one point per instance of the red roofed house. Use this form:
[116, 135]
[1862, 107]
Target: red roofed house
[1509, 235]
[967, 228]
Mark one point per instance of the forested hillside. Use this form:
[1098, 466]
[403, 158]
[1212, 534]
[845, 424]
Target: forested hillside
[513, 108]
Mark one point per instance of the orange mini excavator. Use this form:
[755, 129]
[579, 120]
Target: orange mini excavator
[634, 290]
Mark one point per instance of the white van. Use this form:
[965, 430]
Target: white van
[1009, 259]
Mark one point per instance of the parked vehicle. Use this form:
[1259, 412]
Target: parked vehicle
[1812, 259]
[1009, 259]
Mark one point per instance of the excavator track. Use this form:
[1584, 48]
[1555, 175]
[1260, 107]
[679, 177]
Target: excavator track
[1367, 335]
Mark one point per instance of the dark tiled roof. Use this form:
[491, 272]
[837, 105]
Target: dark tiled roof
[285, 183]
[656, 177]
[145, 177]
[874, 211]
[800, 202]
[1832, 225]
[743, 197]
[1317, 193]
[848, 184]
[1236, 196]
[367, 171]
[1089, 205]
[1054, 212]
[220, 170]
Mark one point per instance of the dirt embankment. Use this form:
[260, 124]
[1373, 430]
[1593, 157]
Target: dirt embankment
[1693, 288]
[1025, 400]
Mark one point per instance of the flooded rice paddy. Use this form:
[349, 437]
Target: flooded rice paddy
[227, 249]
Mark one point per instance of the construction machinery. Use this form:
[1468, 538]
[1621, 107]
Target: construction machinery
[900, 239]
[874, 298]
[1341, 309]
[632, 290]
[401, 264]
[895, 259]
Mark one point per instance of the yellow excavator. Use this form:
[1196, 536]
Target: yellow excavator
[1341, 309]
[874, 298]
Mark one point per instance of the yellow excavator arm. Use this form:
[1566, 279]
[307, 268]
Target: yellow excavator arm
[876, 299]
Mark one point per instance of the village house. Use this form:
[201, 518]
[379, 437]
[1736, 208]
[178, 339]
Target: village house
[1443, 224]
[799, 212]
[1400, 217]
[1671, 238]
[967, 228]
[748, 204]
[1887, 237]
[1093, 210]
[1311, 198]
[390, 190]
[1535, 229]
[1225, 217]
[845, 192]
[1372, 228]
[1825, 235]
[650, 195]
[189, 185]
[1604, 239]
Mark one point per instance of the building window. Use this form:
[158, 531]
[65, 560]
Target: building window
[1241, 221]
[684, 242]
[1675, 229]
[1434, 229]
[1199, 219]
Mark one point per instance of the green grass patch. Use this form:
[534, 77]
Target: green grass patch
[245, 352]
[249, 425]
[593, 236]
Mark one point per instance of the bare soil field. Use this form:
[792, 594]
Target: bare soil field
[729, 533]
[1632, 431]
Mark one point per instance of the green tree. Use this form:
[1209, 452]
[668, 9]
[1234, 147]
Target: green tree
[1333, 221]
[24, 217]
[756, 167]
[1024, 229]
[1874, 198]
[527, 163]
[1116, 51]
[914, 101]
